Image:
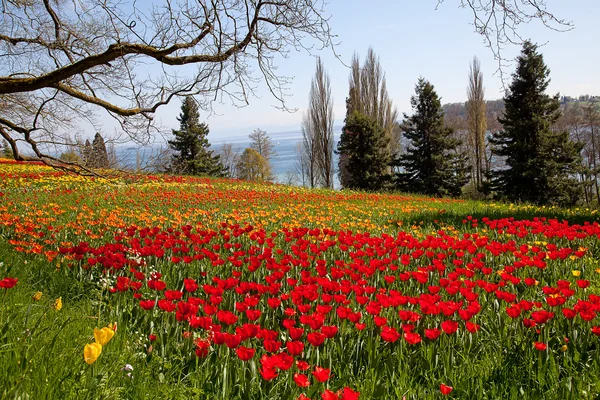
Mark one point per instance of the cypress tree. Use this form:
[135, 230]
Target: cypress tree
[540, 164]
[192, 155]
[365, 147]
[99, 153]
[432, 164]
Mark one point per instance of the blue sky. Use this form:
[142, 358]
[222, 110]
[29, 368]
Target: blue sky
[414, 39]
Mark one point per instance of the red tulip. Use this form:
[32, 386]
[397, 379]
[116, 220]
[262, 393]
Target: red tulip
[245, 353]
[301, 380]
[268, 373]
[329, 395]
[190, 285]
[540, 346]
[316, 338]
[389, 334]
[412, 338]
[449, 327]
[349, 394]
[147, 304]
[302, 365]
[8, 283]
[321, 374]
[295, 348]
[446, 390]
[472, 327]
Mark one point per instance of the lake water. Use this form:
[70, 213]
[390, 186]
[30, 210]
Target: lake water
[283, 163]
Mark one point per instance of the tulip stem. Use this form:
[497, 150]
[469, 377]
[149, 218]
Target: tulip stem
[2, 313]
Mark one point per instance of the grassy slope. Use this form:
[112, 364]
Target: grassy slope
[41, 348]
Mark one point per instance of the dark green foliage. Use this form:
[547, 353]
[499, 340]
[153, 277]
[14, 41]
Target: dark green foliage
[94, 154]
[432, 164]
[70, 156]
[99, 153]
[192, 155]
[363, 146]
[6, 150]
[540, 164]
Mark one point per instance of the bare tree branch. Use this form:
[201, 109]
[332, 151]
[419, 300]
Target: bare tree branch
[499, 21]
[64, 61]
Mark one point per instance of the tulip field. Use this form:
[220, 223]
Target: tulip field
[166, 287]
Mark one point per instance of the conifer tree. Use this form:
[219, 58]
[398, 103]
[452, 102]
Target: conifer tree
[88, 154]
[192, 155]
[364, 144]
[432, 163]
[99, 153]
[540, 164]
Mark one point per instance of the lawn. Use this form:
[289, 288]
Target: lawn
[143, 287]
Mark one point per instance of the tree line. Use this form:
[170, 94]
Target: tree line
[521, 149]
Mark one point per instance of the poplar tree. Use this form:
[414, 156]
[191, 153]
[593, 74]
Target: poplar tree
[540, 164]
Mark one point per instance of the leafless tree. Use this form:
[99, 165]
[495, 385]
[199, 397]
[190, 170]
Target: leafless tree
[476, 121]
[368, 95]
[229, 156]
[499, 22]
[307, 156]
[317, 129]
[302, 164]
[67, 61]
[261, 142]
[591, 117]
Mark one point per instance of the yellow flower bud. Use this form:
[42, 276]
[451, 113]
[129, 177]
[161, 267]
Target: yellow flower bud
[37, 296]
[91, 352]
[576, 273]
[103, 336]
[58, 304]
[564, 348]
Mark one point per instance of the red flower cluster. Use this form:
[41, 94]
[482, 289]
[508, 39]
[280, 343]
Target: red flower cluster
[276, 296]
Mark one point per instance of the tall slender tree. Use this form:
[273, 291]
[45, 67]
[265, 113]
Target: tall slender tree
[317, 129]
[99, 152]
[192, 155]
[432, 164]
[476, 120]
[541, 164]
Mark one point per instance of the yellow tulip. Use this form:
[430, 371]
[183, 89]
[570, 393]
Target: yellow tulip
[576, 273]
[103, 336]
[37, 296]
[91, 352]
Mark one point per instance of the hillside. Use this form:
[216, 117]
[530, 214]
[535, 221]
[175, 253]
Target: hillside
[155, 286]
